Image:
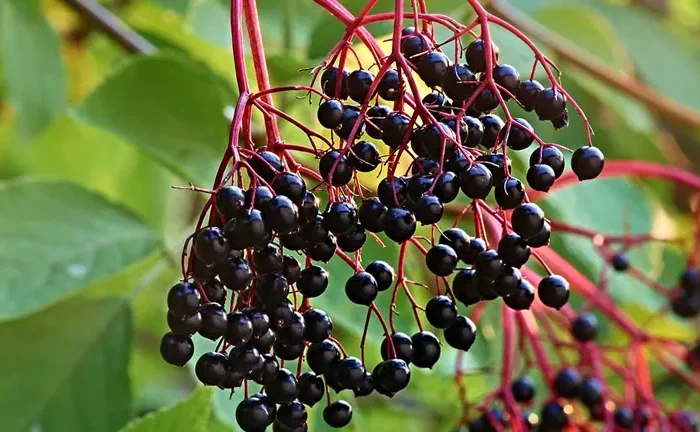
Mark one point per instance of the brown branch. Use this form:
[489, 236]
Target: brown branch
[112, 26]
[624, 82]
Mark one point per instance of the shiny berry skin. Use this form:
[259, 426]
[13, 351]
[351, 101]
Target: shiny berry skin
[290, 269]
[361, 288]
[292, 415]
[257, 197]
[359, 82]
[456, 239]
[338, 414]
[437, 103]
[553, 417]
[585, 327]
[591, 392]
[202, 270]
[375, 115]
[527, 93]
[437, 138]
[383, 274]
[288, 351]
[508, 282]
[541, 238]
[271, 288]
[461, 334]
[447, 187]
[215, 291]
[551, 156]
[587, 162]
[308, 208]
[314, 231]
[366, 386]
[523, 389]
[562, 121]
[567, 383]
[433, 68]
[474, 248]
[428, 210]
[329, 81]
[371, 214]
[414, 47]
[324, 250]
[418, 185]
[394, 129]
[340, 217]
[183, 299]
[212, 368]
[239, 329]
[364, 156]
[549, 104]
[454, 84]
[464, 287]
[351, 114]
[349, 373]
[281, 215]
[244, 359]
[319, 325]
[476, 182]
[268, 259]
[553, 291]
[509, 193]
[527, 220]
[214, 320]
[290, 185]
[389, 87]
[343, 169]
[486, 101]
[352, 240]
[330, 113]
[441, 311]
[624, 417]
[476, 57]
[690, 281]
[540, 177]
[513, 250]
[265, 342]
[321, 355]
[292, 331]
[282, 388]
[184, 326]
[279, 313]
[492, 126]
[402, 346]
[392, 375]
[253, 415]
[488, 265]
[230, 200]
[176, 350]
[310, 388]
[399, 224]
[266, 164]
[521, 299]
[210, 245]
[475, 132]
[246, 231]
[393, 192]
[235, 273]
[260, 321]
[518, 137]
[441, 260]
[423, 165]
[507, 77]
[426, 349]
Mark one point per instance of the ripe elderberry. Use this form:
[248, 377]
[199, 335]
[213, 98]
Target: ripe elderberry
[523, 389]
[541, 177]
[394, 129]
[550, 104]
[426, 349]
[551, 156]
[230, 201]
[527, 220]
[399, 224]
[567, 383]
[392, 375]
[343, 169]
[383, 274]
[183, 299]
[338, 414]
[441, 260]
[476, 182]
[476, 57]
[254, 414]
[361, 288]
[212, 368]
[492, 127]
[329, 82]
[176, 350]
[461, 334]
[364, 156]
[441, 312]
[527, 94]
[389, 87]
[310, 388]
[330, 113]
[513, 250]
[403, 347]
[433, 68]
[585, 327]
[375, 115]
[464, 287]
[553, 291]
[371, 214]
[359, 83]
[587, 162]
[318, 325]
[509, 193]
[522, 298]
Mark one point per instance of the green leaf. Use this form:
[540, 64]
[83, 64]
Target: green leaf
[33, 72]
[191, 415]
[171, 108]
[69, 368]
[57, 238]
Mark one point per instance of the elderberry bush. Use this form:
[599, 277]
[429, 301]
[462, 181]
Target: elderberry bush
[445, 187]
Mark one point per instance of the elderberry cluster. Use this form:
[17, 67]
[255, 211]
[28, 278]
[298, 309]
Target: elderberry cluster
[246, 252]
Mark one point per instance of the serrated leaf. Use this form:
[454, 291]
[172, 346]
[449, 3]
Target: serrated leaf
[192, 415]
[58, 238]
[69, 368]
[33, 72]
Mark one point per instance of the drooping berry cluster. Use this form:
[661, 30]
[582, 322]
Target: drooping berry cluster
[256, 260]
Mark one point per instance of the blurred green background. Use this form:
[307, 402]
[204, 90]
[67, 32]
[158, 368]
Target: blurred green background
[92, 138]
